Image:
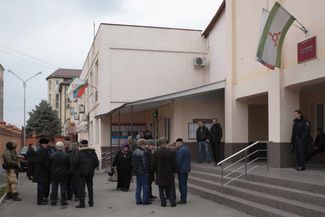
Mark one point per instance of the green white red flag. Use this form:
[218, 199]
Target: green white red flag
[275, 28]
[76, 88]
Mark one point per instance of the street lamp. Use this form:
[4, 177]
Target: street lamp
[24, 85]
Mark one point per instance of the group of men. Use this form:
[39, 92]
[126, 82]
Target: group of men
[66, 165]
[204, 137]
[164, 162]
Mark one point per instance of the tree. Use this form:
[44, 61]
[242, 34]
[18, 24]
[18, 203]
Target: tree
[44, 121]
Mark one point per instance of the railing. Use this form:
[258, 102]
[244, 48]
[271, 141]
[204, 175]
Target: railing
[245, 166]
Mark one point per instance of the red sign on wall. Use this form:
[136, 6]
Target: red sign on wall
[306, 50]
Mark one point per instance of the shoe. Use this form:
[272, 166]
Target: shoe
[53, 203]
[181, 202]
[42, 203]
[91, 204]
[163, 205]
[80, 206]
[140, 203]
[153, 197]
[147, 203]
[64, 203]
[76, 199]
[300, 168]
[15, 197]
[9, 196]
[173, 205]
[200, 162]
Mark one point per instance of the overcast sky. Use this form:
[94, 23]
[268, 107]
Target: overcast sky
[43, 35]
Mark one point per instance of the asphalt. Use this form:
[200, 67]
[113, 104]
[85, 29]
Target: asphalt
[111, 203]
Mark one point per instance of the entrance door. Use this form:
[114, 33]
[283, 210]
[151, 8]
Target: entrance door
[320, 115]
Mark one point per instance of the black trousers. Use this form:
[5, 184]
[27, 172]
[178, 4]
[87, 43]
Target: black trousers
[215, 149]
[43, 191]
[54, 191]
[167, 192]
[72, 186]
[300, 147]
[83, 181]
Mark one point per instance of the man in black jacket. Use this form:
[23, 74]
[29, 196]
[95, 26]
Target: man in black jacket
[216, 135]
[149, 148]
[85, 164]
[31, 161]
[300, 138]
[59, 174]
[42, 172]
[140, 168]
[202, 137]
[164, 164]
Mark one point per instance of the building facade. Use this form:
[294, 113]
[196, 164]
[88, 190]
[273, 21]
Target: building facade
[153, 71]
[58, 83]
[1, 92]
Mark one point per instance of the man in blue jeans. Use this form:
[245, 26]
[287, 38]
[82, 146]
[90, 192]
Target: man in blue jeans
[183, 163]
[140, 167]
[202, 137]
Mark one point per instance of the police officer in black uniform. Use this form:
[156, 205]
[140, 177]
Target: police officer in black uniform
[300, 138]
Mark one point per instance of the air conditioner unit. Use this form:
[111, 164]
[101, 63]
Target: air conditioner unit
[200, 61]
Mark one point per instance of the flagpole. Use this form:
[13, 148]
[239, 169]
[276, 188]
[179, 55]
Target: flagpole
[302, 28]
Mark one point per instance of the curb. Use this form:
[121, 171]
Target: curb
[3, 197]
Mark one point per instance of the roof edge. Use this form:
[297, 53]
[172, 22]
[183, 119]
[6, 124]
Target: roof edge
[214, 20]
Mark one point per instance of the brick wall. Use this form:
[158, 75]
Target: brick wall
[9, 133]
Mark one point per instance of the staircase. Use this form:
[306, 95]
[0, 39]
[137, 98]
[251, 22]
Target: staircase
[259, 195]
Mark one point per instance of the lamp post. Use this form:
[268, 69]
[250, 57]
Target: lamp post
[24, 85]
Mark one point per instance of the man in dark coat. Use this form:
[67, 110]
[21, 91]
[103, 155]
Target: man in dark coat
[85, 164]
[183, 162]
[319, 144]
[300, 138]
[216, 135]
[202, 137]
[30, 154]
[59, 173]
[140, 168]
[164, 164]
[149, 148]
[43, 172]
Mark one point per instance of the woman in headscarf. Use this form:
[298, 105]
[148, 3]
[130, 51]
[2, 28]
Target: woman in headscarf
[123, 164]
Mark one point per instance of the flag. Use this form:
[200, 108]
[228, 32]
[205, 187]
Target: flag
[76, 88]
[271, 40]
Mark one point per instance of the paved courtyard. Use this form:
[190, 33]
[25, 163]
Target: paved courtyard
[111, 203]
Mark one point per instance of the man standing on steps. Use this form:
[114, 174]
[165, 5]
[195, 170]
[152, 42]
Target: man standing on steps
[202, 137]
[216, 135]
[300, 138]
[183, 163]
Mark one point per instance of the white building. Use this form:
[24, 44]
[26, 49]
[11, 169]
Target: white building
[137, 70]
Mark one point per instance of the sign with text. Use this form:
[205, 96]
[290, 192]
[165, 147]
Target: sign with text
[306, 50]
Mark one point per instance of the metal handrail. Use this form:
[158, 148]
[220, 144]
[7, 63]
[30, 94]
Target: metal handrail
[221, 163]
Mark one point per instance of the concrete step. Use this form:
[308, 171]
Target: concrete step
[287, 205]
[243, 205]
[269, 179]
[289, 193]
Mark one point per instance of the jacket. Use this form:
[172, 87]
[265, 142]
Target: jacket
[30, 154]
[59, 165]
[86, 161]
[10, 159]
[150, 157]
[301, 131]
[164, 164]
[42, 166]
[202, 134]
[183, 159]
[216, 132]
[320, 141]
[140, 162]
[123, 161]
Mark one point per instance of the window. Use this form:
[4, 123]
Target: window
[57, 101]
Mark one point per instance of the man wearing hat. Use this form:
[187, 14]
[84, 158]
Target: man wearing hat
[42, 172]
[11, 165]
[59, 173]
[85, 164]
